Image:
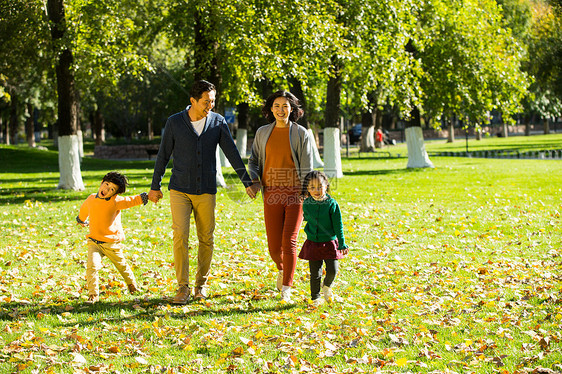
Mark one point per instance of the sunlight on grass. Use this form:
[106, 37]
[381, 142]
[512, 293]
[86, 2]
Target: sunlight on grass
[452, 269]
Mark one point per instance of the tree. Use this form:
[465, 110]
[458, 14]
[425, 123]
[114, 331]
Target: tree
[69, 154]
[543, 64]
[24, 60]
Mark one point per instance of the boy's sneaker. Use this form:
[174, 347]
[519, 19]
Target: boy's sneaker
[92, 299]
[182, 296]
[328, 295]
[286, 295]
[200, 293]
[132, 289]
[280, 280]
[317, 302]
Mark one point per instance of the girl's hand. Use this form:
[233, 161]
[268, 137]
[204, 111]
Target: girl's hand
[345, 251]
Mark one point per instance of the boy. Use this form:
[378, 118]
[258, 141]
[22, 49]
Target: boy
[106, 233]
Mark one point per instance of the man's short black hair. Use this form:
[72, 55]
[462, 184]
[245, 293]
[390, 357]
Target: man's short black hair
[118, 179]
[199, 88]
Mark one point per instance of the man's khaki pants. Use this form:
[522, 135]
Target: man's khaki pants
[203, 208]
[113, 251]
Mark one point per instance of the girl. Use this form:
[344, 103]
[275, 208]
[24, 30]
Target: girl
[325, 242]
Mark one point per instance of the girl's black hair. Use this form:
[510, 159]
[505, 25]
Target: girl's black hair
[296, 111]
[118, 179]
[314, 174]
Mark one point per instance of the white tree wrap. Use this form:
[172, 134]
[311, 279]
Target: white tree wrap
[69, 163]
[332, 156]
[316, 159]
[417, 156]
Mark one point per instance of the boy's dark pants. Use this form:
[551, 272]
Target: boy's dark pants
[316, 275]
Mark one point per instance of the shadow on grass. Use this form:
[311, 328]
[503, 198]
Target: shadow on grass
[135, 309]
[385, 171]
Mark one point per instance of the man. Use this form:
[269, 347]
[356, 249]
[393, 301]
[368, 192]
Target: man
[191, 138]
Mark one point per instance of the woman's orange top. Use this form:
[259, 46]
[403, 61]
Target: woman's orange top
[279, 168]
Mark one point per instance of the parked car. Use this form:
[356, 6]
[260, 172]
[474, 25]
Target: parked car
[354, 134]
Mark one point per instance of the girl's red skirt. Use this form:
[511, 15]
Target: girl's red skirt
[313, 251]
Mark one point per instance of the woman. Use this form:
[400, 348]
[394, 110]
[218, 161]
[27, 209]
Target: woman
[281, 158]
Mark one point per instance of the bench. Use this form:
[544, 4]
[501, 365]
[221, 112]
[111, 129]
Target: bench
[151, 152]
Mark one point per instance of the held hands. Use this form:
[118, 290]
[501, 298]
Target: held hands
[155, 196]
[252, 190]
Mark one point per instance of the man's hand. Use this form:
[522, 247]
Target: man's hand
[155, 196]
[252, 190]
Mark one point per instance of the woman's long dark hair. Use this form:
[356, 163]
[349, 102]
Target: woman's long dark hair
[296, 111]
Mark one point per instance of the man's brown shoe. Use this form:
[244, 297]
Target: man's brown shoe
[132, 289]
[200, 293]
[182, 296]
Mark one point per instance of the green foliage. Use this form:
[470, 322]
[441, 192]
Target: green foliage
[25, 53]
[544, 62]
[471, 63]
[135, 60]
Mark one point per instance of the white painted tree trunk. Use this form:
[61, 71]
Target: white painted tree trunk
[417, 155]
[224, 161]
[69, 163]
[242, 141]
[220, 177]
[332, 156]
[368, 139]
[316, 159]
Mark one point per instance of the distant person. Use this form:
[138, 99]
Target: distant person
[191, 137]
[325, 242]
[379, 139]
[280, 159]
[103, 209]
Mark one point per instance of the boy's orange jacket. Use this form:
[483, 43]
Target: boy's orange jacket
[105, 216]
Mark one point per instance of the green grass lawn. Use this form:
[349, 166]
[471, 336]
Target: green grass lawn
[511, 143]
[451, 269]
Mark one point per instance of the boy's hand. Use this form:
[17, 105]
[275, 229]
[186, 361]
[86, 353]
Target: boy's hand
[82, 224]
[155, 196]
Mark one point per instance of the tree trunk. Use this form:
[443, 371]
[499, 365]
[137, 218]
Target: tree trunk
[505, 130]
[452, 125]
[242, 131]
[98, 124]
[13, 123]
[527, 119]
[219, 177]
[206, 50]
[546, 126]
[417, 155]
[316, 159]
[332, 156]
[367, 131]
[150, 128]
[69, 153]
[296, 90]
[29, 133]
[2, 128]
[478, 133]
